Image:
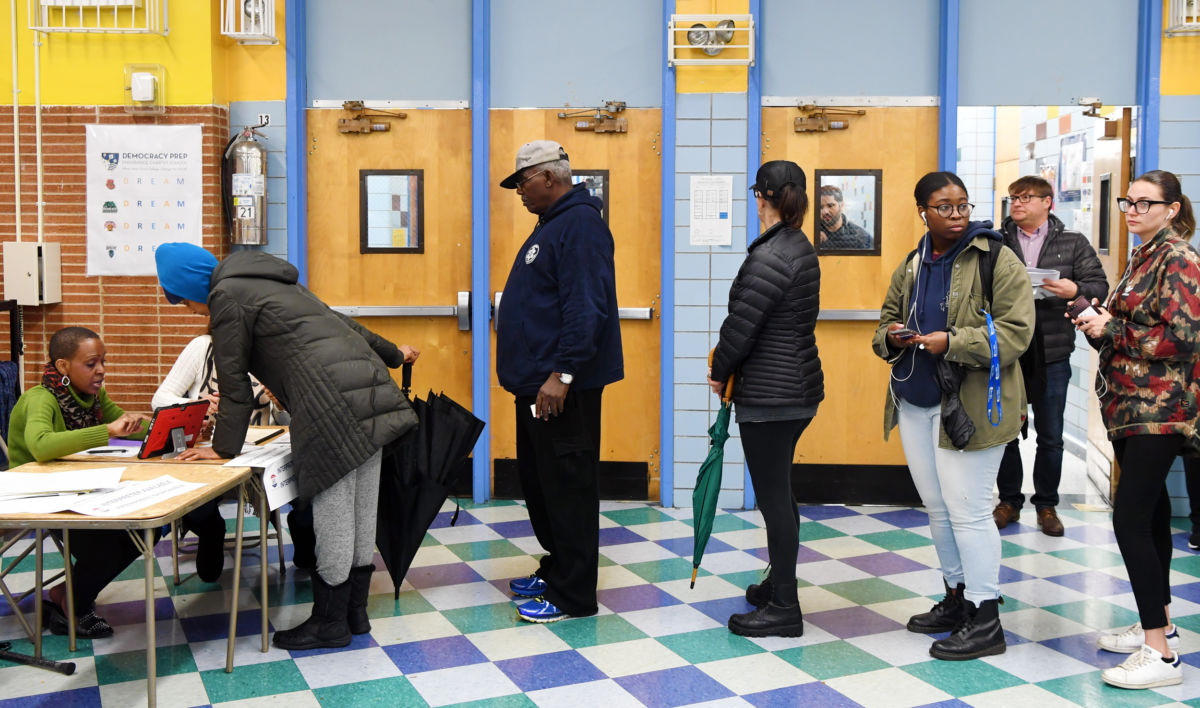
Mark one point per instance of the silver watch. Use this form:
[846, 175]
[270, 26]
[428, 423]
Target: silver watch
[566, 378]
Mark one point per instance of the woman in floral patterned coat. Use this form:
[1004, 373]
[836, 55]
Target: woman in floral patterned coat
[1148, 337]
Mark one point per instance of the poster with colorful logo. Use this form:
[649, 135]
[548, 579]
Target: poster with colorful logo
[144, 188]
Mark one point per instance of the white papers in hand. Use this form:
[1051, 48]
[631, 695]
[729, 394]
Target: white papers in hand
[131, 496]
[1037, 276]
[19, 484]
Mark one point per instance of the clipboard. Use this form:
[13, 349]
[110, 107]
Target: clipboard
[173, 429]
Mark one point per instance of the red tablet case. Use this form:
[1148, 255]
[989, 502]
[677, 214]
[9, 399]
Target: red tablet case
[189, 416]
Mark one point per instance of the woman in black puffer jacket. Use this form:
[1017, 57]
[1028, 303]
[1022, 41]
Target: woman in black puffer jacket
[768, 344]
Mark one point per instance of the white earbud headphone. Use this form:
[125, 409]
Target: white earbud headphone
[924, 219]
[1170, 215]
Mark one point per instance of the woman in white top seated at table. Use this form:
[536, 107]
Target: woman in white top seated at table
[194, 376]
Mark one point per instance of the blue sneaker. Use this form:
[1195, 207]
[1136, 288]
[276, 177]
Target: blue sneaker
[533, 586]
[540, 610]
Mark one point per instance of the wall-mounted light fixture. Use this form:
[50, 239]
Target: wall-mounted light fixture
[601, 119]
[816, 119]
[361, 121]
[711, 40]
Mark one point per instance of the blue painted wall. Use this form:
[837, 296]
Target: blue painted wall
[243, 113]
[867, 48]
[1034, 52]
[551, 53]
[389, 49]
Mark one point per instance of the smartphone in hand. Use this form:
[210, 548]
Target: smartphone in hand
[904, 333]
[1081, 307]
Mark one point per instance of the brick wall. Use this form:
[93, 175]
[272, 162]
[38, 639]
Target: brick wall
[142, 332]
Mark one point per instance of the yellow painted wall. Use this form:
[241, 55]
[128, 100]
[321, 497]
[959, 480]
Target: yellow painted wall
[711, 79]
[1180, 64]
[202, 66]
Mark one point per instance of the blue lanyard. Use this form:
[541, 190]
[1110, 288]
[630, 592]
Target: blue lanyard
[994, 376]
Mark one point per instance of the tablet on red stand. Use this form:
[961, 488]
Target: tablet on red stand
[174, 429]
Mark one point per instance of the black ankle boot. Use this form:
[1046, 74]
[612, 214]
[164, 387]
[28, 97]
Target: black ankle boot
[770, 620]
[980, 634]
[944, 616]
[327, 627]
[360, 589]
[304, 539]
[761, 593]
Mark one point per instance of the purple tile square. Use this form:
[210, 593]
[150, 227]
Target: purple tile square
[617, 535]
[81, 697]
[683, 546]
[209, 627]
[513, 529]
[442, 520]
[952, 703]
[1091, 535]
[532, 673]
[879, 564]
[852, 622]
[437, 575]
[1093, 583]
[820, 512]
[803, 555]
[807, 694]
[635, 597]
[1189, 592]
[357, 641]
[1180, 541]
[433, 654]
[1083, 647]
[1012, 575]
[134, 611]
[720, 610]
[673, 687]
[904, 518]
[1192, 659]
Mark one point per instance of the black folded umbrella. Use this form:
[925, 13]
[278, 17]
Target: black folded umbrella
[955, 421]
[416, 476]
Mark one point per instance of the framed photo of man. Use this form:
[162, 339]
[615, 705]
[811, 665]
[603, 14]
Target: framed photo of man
[848, 212]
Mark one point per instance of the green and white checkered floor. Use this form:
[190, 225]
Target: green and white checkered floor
[453, 636]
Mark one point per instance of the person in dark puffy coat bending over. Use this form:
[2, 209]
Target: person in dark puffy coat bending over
[768, 344]
[331, 374]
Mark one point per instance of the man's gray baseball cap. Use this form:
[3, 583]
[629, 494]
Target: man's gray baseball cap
[534, 153]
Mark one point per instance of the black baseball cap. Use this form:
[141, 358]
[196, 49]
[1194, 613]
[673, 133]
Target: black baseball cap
[774, 174]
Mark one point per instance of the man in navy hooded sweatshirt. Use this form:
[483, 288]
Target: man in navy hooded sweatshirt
[558, 344]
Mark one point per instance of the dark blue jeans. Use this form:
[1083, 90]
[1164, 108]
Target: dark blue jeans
[1048, 406]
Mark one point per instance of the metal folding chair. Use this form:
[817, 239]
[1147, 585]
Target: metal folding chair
[8, 539]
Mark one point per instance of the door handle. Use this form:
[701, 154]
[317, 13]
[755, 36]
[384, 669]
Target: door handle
[625, 313]
[462, 310]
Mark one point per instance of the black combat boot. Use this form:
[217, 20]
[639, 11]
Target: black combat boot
[360, 589]
[779, 617]
[760, 593]
[980, 634]
[327, 627]
[944, 616]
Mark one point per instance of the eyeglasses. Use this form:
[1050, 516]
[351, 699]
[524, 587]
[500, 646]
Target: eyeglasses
[522, 182]
[1141, 206]
[1024, 198]
[946, 210]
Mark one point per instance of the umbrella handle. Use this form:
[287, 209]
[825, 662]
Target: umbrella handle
[406, 378]
[728, 395]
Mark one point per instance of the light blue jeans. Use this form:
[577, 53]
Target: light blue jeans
[956, 488]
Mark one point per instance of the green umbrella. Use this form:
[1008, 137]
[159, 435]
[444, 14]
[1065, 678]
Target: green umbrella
[708, 482]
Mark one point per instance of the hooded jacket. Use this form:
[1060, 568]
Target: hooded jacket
[328, 371]
[1070, 253]
[768, 338]
[1013, 316]
[559, 310]
[1149, 373]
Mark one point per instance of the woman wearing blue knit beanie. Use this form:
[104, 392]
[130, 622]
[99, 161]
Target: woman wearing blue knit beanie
[331, 374]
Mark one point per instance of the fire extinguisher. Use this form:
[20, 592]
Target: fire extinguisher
[244, 174]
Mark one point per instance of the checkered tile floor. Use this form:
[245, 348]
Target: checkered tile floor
[453, 636]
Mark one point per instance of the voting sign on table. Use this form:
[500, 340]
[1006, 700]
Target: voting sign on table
[278, 473]
[144, 188]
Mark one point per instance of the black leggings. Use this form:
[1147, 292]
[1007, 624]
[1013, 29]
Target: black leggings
[769, 449]
[1142, 520]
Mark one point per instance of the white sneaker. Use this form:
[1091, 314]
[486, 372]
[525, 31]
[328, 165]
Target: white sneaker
[1145, 669]
[1132, 639]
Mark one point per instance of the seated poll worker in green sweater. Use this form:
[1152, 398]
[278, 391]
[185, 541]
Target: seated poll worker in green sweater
[69, 412]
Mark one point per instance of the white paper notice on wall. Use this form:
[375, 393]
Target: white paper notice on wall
[144, 189]
[711, 210]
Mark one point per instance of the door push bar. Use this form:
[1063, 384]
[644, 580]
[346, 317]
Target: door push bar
[625, 313]
[462, 311]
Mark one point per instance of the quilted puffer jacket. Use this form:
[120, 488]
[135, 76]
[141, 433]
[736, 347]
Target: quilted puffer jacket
[768, 339]
[328, 371]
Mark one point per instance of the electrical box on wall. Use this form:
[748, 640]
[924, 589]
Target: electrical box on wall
[33, 272]
[144, 89]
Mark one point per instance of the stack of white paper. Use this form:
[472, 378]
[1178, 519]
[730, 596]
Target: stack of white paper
[98, 492]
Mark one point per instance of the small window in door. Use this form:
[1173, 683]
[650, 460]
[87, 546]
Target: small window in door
[597, 186]
[391, 211]
[1105, 212]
